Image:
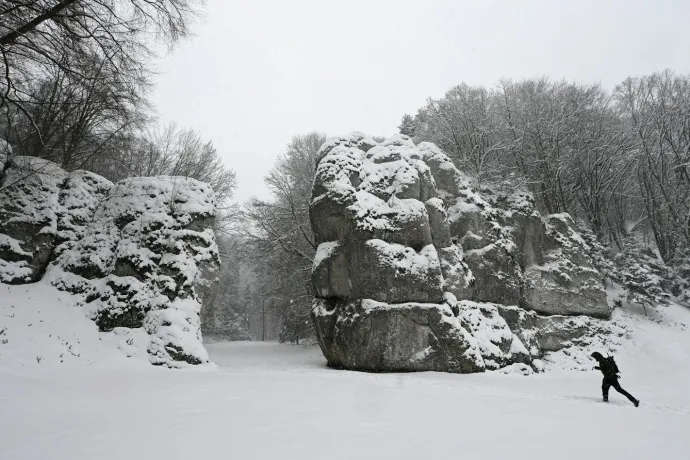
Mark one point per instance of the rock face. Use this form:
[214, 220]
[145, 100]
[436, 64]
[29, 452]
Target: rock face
[141, 253]
[371, 336]
[402, 236]
[28, 218]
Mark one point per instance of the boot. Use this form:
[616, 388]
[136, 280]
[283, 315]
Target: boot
[636, 402]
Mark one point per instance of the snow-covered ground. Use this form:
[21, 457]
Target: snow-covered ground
[84, 399]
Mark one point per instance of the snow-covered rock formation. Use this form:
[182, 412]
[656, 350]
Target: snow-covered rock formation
[140, 253]
[416, 270]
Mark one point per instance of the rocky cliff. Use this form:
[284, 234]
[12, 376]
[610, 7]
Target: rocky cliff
[139, 253]
[417, 270]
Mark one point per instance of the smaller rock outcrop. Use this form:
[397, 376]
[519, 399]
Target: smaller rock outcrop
[140, 253]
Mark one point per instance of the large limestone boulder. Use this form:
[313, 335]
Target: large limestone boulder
[141, 253]
[402, 235]
[379, 337]
[374, 336]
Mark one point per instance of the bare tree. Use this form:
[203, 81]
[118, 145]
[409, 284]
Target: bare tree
[42, 38]
[280, 234]
[407, 125]
[73, 122]
[183, 152]
[656, 109]
[226, 317]
[463, 124]
[566, 143]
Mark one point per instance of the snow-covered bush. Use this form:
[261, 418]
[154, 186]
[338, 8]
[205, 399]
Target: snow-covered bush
[597, 251]
[680, 279]
[639, 273]
[294, 325]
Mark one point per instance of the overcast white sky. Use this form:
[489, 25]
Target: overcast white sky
[259, 72]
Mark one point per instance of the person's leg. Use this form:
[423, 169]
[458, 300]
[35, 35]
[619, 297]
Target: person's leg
[605, 384]
[618, 388]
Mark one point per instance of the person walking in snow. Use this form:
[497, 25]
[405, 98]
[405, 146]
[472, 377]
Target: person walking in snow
[608, 367]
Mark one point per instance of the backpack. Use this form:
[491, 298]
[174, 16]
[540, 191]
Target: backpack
[612, 365]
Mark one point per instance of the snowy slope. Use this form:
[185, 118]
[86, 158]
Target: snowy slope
[267, 401]
[41, 328]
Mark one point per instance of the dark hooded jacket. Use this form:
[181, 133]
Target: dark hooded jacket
[607, 366]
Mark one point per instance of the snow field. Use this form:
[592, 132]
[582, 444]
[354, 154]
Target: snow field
[267, 401]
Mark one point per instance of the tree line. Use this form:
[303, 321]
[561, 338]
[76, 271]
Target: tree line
[75, 78]
[617, 161]
[74, 82]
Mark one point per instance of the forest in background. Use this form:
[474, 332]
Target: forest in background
[617, 161]
[74, 86]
